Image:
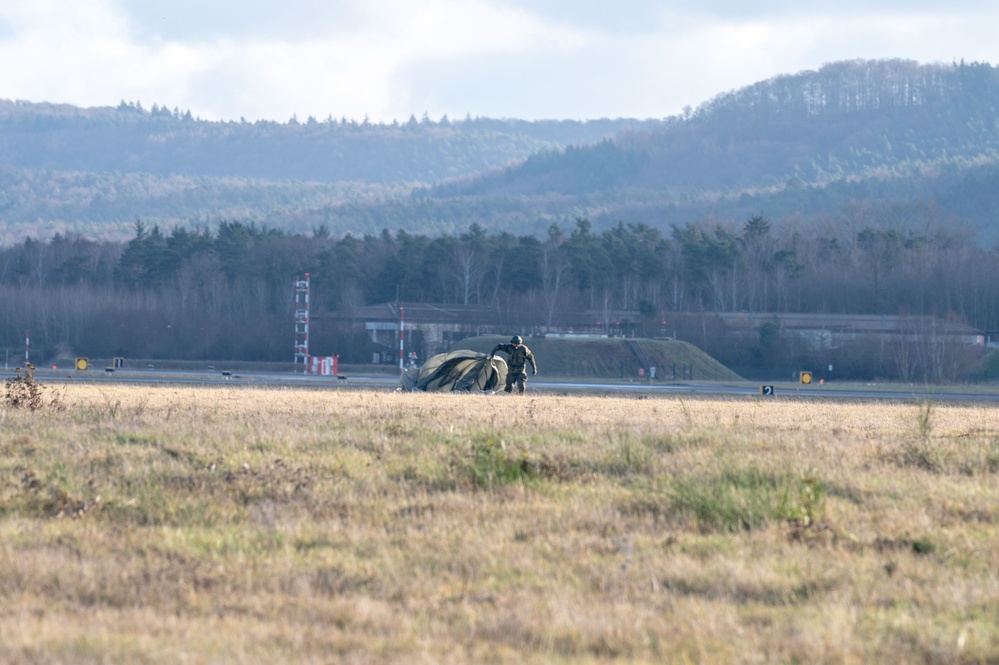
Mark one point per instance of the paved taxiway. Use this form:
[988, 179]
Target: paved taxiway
[389, 382]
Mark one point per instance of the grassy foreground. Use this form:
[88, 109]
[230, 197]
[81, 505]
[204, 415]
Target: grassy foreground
[245, 525]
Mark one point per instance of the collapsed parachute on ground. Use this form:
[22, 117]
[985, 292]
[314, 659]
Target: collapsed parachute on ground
[457, 370]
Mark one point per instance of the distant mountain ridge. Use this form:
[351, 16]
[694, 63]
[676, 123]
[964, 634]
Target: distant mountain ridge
[804, 144]
[889, 132]
[854, 118]
[129, 138]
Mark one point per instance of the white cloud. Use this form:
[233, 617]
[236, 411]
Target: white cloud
[66, 51]
[373, 71]
[390, 58]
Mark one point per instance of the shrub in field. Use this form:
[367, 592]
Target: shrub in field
[22, 391]
[924, 420]
[921, 454]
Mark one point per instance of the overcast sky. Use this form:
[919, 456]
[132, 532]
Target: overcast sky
[388, 59]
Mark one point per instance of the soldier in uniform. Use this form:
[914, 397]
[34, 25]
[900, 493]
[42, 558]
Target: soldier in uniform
[518, 356]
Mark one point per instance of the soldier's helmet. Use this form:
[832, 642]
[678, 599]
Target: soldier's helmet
[516, 339]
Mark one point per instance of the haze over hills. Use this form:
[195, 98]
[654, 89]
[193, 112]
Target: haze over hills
[166, 142]
[95, 171]
[801, 145]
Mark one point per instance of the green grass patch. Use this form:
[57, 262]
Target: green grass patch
[747, 498]
[490, 464]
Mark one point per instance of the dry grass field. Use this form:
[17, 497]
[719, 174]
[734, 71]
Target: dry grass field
[246, 525]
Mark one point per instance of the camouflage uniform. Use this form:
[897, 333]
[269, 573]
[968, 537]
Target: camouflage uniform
[518, 356]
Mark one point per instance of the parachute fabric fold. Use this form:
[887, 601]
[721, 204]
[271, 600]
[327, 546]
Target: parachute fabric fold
[458, 370]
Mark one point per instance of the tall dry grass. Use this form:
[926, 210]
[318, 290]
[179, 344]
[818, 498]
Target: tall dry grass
[244, 525]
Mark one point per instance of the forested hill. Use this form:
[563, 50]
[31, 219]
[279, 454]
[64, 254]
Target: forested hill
[894, 135]
[166, 142]
[848, 119]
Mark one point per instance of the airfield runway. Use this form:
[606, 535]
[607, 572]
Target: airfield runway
[635, 388]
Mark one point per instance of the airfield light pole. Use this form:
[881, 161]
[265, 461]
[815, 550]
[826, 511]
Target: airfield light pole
[402, 327]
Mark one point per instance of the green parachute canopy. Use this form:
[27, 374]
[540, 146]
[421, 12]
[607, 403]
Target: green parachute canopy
[457, 370]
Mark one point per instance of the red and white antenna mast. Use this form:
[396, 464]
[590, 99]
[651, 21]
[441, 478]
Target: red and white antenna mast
[302, 323]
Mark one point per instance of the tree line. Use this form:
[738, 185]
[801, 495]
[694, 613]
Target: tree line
[226, 292]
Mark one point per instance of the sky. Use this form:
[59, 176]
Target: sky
[389, 59]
